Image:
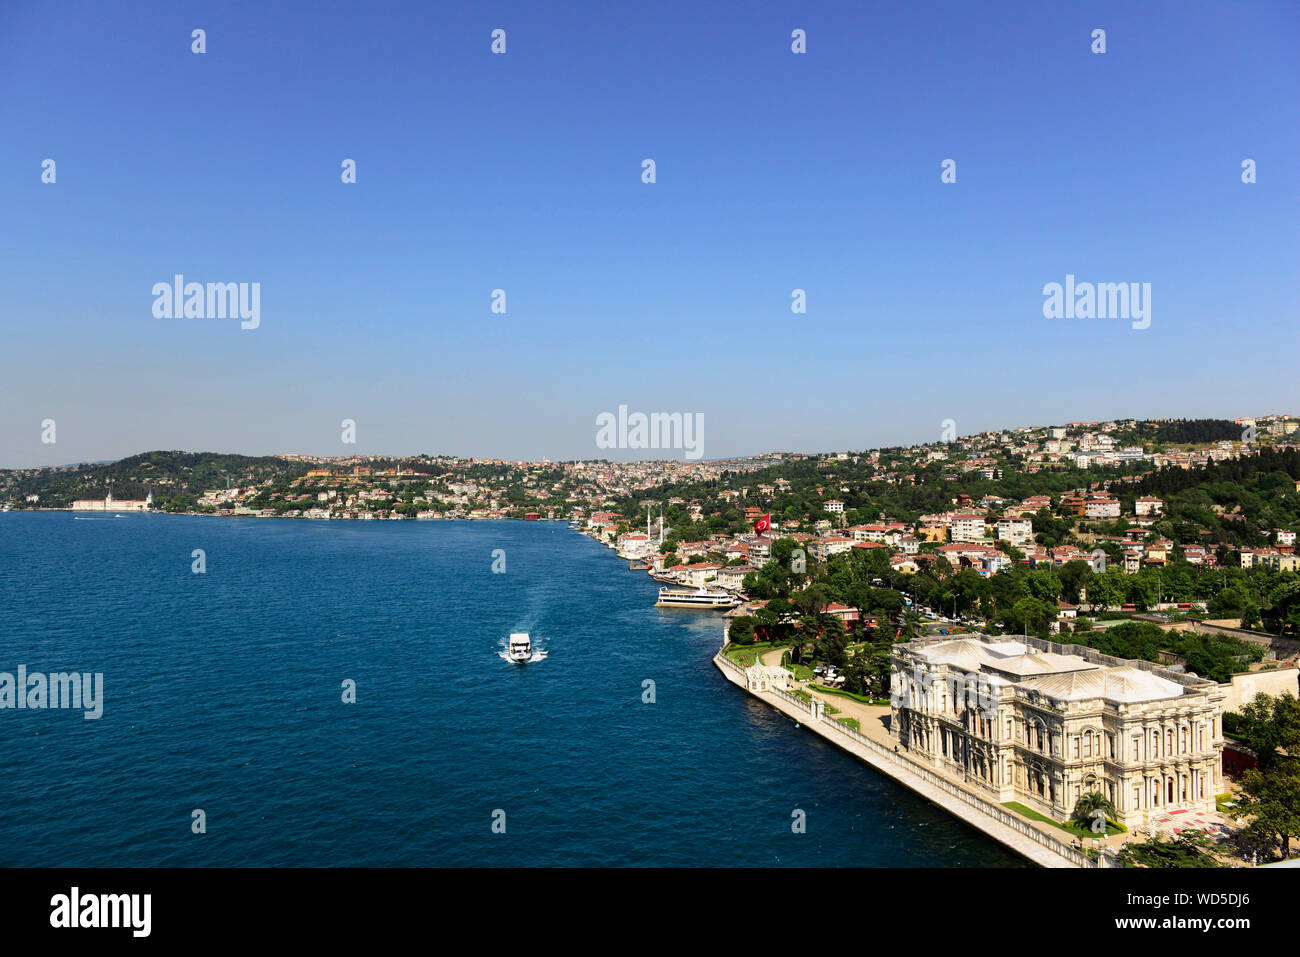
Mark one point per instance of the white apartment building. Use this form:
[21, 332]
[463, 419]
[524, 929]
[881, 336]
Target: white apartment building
[966, 528]
[1101, 508]
[1016, 531]
[823, 548]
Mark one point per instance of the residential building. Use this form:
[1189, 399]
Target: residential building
[1101, 506]
[1016, 531]
[966, 528]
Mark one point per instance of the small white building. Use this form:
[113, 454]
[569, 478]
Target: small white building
[761, 677]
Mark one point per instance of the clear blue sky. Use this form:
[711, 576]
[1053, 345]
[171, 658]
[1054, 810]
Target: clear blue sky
[523, 172]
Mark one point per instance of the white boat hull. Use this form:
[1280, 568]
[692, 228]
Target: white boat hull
[702, 599]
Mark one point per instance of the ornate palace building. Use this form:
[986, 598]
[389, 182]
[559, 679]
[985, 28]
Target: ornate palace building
[1017, 718]
[110, 504]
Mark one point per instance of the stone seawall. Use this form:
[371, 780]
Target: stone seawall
[1004, 833]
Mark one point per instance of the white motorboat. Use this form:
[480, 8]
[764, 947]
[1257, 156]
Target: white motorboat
[520, 648]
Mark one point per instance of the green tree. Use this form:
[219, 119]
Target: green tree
[1043, 583]
[1074, 577]
[811, 601]
[741, 629]
[1269, 725]
[1188, 849]
[1108, 589]
[1030, 615]
[1273, 802]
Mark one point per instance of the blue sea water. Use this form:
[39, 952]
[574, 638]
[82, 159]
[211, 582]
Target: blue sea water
[223, 692]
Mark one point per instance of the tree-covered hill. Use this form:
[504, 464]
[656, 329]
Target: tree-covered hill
[1239, 501]
[173, 477]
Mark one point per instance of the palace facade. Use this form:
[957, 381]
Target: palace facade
[1016, 718]
[110, 504]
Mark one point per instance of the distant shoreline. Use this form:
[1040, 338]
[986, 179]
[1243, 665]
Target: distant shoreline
[332, 518]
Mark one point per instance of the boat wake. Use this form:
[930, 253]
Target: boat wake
[537, 656]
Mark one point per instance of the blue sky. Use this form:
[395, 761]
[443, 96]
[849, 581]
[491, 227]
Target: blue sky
[775, 171]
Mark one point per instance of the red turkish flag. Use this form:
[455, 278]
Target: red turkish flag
[763, 524]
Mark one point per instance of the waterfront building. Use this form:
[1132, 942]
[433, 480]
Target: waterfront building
[732, 577]
[760, 677]
[697, 576]
[1016, 718]
[110, 504]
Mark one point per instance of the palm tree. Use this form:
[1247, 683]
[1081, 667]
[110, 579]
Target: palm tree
[911, 623]
[1089, 804]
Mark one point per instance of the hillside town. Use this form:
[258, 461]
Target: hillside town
[1080, 500]
[1107, 523]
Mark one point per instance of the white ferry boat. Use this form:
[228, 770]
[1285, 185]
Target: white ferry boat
[706, 598]
[520, 649]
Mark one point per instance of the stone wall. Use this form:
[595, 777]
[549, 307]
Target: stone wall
[1276, 646]
[1244, 687]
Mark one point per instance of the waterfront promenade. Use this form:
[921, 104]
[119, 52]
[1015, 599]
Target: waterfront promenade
[876, 749]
